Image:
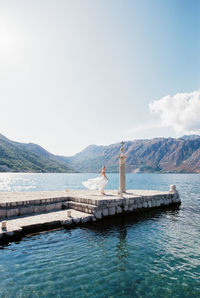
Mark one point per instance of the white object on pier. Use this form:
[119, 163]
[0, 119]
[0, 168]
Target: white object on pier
[173, 188]
[69, 213]
[3, 225]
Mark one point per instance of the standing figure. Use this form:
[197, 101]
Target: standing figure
[98, 182]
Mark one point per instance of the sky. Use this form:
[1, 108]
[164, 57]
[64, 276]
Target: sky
[80, 72]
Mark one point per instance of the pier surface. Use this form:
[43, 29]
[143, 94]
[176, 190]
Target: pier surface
[26, 212]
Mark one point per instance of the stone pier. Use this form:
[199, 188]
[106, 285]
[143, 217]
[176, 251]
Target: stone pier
[25, 212]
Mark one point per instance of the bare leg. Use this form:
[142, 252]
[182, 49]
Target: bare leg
[102, 191]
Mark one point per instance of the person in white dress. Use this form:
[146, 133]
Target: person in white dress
[98, 182]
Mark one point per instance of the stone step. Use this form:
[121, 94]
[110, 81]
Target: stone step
[87, 208]
[85, 200]
[13, 209]
[20, 208]
[41, 222]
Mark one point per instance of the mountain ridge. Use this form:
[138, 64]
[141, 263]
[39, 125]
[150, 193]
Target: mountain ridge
[30, 157]
[158, 155]
[165, 155]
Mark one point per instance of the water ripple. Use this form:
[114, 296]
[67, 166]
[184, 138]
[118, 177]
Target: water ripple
[155, 254]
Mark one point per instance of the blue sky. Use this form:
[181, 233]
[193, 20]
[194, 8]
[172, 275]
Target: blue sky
[75, 73]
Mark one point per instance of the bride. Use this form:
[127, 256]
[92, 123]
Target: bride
[98, 182]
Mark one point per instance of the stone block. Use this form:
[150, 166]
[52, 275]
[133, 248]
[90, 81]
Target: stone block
[145, 205]
[119, 209]
[105, 202]
[76, 220]
[165, 201]
[13, 204]
[105, 212]
[85, 219]
[173, 199]
[40, 208]
[58, 206]
[12, 212]
[126, 208]
[51, 207]
[99, 202]
[90, 202]
[158, 203]
[67, 222]
[3, 213]
[127, 201]
[131, 207]
[132, 201]
[138, 201]
[98, 214]
[118, 201]
[26, 210]
[113, 204]
[154, 203]
[43, 201]
[149, 204]
[111, 211]
[124, 202]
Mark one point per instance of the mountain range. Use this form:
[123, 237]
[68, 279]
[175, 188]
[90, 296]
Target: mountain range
[20, 157]
[164, 155]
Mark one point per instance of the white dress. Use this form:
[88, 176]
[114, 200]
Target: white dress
[96, 183]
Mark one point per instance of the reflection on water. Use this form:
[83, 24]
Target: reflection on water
[121, 248]
[154, 254]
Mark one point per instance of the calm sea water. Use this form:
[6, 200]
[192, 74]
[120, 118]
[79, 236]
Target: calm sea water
[156, 254]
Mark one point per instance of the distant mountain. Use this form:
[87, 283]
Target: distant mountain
[190, 137]
[162, 155]
[171, 155]
[19, 157]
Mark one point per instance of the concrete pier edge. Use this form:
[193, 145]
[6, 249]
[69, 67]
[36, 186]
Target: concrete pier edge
[28, 213]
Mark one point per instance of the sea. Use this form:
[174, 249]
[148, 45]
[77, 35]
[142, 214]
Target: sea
[153, 254]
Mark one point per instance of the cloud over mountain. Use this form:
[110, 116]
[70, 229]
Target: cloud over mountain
[180, 111]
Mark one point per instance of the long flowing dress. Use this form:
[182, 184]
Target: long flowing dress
[96, 183]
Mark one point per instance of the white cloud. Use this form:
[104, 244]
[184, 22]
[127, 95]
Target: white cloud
[181, 111]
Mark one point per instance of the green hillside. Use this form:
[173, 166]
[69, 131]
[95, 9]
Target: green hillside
[19, 157]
